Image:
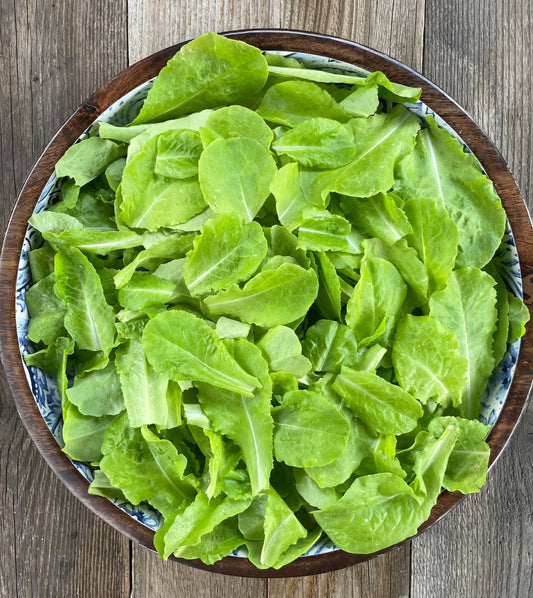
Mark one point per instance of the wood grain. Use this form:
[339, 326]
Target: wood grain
[51, 544]
[395, 28]
[480, 53]
[153, 25]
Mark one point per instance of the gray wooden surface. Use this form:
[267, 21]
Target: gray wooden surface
[55, 53]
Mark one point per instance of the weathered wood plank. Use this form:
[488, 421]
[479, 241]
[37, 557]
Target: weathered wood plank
[152, 26]
[51, 60]
[386, 575]
[480, 53]
[155, 578]
[156, 25]
[395, 28]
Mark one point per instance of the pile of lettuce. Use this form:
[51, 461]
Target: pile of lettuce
[272, 308]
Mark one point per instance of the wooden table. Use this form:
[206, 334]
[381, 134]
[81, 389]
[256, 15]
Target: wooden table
[54, 54]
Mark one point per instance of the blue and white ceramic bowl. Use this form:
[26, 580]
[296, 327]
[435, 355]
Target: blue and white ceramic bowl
[44, 388]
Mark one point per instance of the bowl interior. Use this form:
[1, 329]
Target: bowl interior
[44, 388]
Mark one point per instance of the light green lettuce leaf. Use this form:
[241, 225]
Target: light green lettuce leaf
[329, 345]
[317, 143]
[214, 545]
[177, 154]
[228, 328]
[376, 302]
[292, 102]
[320, 230]
[232, 73]
[227, 251]
[152, 201]
[246, 421]
[149, 397]
[98, 392]
[467, 306]
[85, 160]
[383, 406]
[435, 238]
[168, 248]
[328, 300]
[395, 92]
[94, 241]
[136, 135]
[363, 101]
[309, 430]
[89, 319]
[146, 467]
[518, 318]
[383, 139]
[440, 168]
[405, 259]
[258, 302]
[469, 460]
[53, 360]
[377, 216]
[291, 197]
[47, 312]
[184, 347]
[41, 262]
[101, 486]
[54, 222]
[83, 435]
[113, 173]
[282, 349]
[145, 290]
[382, 507]
[499, 341]
[340, 469]
[235, 175]
[236, 121]
[312, 493]
[428, 362]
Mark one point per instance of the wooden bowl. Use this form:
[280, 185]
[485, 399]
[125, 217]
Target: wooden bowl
[294, 41]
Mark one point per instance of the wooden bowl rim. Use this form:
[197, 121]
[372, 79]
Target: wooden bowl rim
[90, 109]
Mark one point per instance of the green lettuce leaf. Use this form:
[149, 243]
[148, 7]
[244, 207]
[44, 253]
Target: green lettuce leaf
[467, 306]
[232, 73]
[89, 319]
[184, 347]
[317, 143]
[149, 397]
[329, 345]
[309, 430]
[435, 238]
[246, 421]
[282, 349]
[383, 406]
[97, 393]
[235, 175]
[152, 201]
[292, 102]
[146, 467]
[440, 168]
[383, 139]
[85, 160]
[428, 362]
[258, 301]
[468, 463]
[227, 251]
[236, 121]
[376, 302]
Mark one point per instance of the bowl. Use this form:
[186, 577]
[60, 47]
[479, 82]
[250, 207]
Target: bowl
[118, 102]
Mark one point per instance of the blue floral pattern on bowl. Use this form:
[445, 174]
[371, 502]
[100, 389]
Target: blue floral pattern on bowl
[44, 388]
